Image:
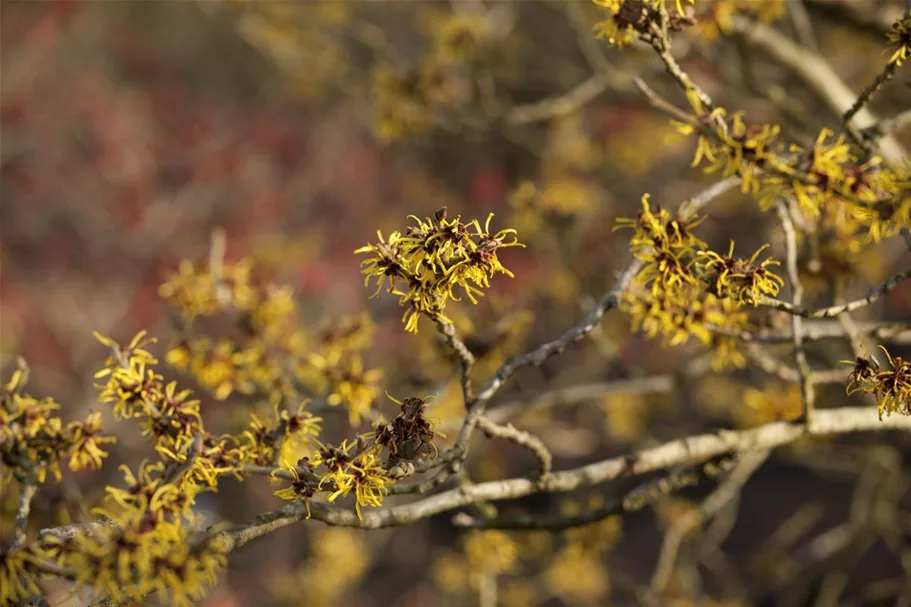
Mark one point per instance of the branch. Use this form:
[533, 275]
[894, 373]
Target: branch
[898, 331]
[25, 506]
[833, 311]
[712, 504]
[522, 438]
[807, 394]
[631, 501]
[816, 72]
[883, 77]
[569, 102]
[466, 358]
[681, 452]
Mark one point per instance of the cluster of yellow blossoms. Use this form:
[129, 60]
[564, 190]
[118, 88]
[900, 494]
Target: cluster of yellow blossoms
[685, 289]
[424, 265]
[409, 102]
[147, 539]
[840, 193]
[272, 356]
[33, 441]
[892, 387]
[363, 466]
[820, 178]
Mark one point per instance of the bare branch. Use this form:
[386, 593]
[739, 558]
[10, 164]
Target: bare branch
[807, 394]
[633, 500]
[520, 437]
[466, 358]
[25, 507]
[569, 102]
[833, 311]
[712, 504]
[681, 452]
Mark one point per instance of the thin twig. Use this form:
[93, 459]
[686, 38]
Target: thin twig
[807, 393]
[833, 311]
[725, 492]
[520, 437]
[466, 358]
[883, 77]
[565, 103]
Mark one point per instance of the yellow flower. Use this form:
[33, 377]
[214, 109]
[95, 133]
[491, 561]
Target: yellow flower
[899, 38]
[490, 552]
[769, 405]
[86, 436]
[742, 280]
[577, 577]
[431, 259]
[364, 475]
[17, 575]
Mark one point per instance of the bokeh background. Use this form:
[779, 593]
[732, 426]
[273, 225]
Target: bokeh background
[132, 130]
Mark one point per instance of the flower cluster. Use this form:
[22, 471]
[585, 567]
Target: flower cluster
[146, 541]
[821, 177]
[143, 543]
[431, 259]
[140, 555]
[168, 417]
[687, 290]
[409, 102]
[631, 17]
[33, 441]
[742, 280]
[353, 466]
[363, 466]
[899, 37]
[715, 17]
[892, 387]
[409, 435]
[273, 355]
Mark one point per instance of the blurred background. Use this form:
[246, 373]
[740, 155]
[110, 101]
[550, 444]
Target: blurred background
[132, 130]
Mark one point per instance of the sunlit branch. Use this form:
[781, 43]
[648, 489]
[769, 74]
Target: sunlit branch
[807, 393]
[681, 452]
[25, 506]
